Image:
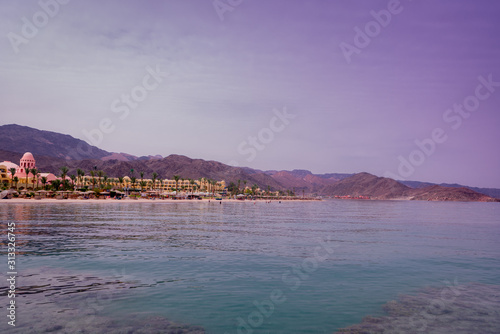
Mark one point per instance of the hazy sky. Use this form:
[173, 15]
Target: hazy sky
[355, 83]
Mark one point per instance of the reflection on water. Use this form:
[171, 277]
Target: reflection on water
[474, 308]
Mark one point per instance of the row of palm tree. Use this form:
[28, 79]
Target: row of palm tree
[98, 179]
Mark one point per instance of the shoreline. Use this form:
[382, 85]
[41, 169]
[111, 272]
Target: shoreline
[142, 200]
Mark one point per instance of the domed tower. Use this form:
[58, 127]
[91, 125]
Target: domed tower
[27, 162]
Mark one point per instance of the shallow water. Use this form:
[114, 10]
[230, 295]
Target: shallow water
[311, 267]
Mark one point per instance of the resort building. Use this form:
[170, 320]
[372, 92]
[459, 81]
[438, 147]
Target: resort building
[23, 170]
[25, 179]
[161, 185]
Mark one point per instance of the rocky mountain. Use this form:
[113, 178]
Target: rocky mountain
[364, 184]
[17, 138]
[304, 180]
[492, 192]
[440, 193]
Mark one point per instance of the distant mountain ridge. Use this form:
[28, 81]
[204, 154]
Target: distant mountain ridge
[492, 192]
[53, 150]
[18, 138]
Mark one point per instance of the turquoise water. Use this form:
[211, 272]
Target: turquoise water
[308, 267]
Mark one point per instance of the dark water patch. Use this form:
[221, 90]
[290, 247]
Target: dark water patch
[472, 308]
[55, 300]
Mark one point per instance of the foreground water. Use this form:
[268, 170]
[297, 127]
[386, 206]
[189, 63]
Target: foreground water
[309, 267]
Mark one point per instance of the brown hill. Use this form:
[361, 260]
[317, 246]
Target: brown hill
[305, 180]
[365, 184]
[17, 138]
[439, 193]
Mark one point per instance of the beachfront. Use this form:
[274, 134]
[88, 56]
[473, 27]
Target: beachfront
[26, 181]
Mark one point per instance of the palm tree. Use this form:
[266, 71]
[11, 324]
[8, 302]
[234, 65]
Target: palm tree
[33, 171]
[73, 179]
[27, 174]
[16, 180]
[120, 181]
[155, 175]
[65, 184]
[142, 176]
[239, 181]
[64, 171]
[142, 184]
[132, 180]
[245, 183]
[176, 178]
[191, 181]
[92, 174]
[100, 174]
[56, 184]
[44, 182]
[12, 172]
[80, 173]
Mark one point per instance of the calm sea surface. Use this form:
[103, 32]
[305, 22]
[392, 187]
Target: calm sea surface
[310, 267]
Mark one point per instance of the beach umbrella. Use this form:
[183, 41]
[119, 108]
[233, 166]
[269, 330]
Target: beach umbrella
[6, 193]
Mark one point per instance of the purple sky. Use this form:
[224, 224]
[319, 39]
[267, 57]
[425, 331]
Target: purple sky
[227, 78]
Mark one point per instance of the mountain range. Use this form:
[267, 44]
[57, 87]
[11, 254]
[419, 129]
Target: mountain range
[53, 150]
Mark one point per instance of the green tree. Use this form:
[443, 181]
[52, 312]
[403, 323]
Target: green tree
[176, 178]
[64, 172]
[44, 182]
[80, 173]
[155, 175]
[254, 189]
[92, 174]
[16, 180]
[100, 175]
[73, 179]
[34, 172]
[56, 184]
[191, 181]
[12, 173]
[66, 185]
[132, 180]
[26, 180]
[142, 184]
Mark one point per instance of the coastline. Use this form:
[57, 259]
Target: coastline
[143, 200]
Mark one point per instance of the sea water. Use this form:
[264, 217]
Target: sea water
[289, 267]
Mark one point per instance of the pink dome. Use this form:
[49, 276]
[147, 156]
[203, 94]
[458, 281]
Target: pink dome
[27, 161]
[27, 156]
